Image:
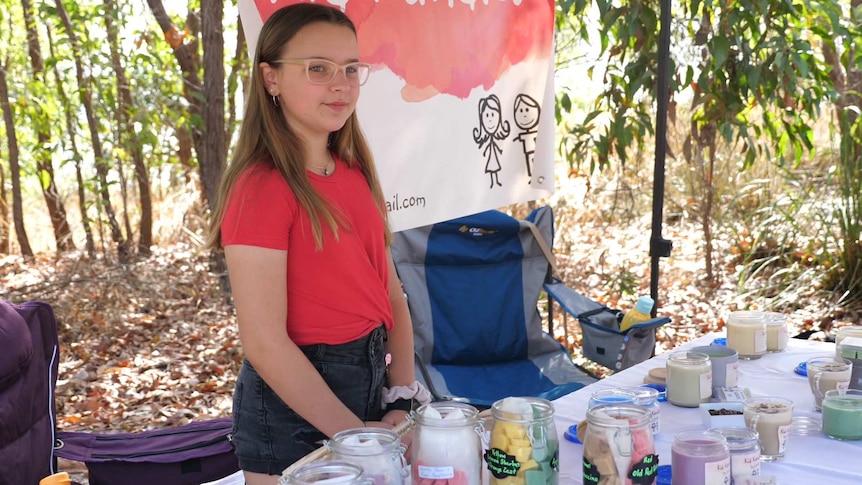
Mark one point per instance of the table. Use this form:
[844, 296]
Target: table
[808, 459]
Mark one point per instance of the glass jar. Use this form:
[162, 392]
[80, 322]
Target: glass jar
[700, 458]
[618, 445]
[776, 331]
[648, 398]
[378, 451]
[612, 396]
[524, 445]
[744, 452]
[746, 334]
[447, 443]
[689, 378]
[339, 472]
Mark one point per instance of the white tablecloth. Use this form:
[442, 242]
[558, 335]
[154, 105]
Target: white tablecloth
[808, 460]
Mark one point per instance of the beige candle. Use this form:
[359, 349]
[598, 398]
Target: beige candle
[826, 373]
[776, 332]
[746, 334]
[771, 418]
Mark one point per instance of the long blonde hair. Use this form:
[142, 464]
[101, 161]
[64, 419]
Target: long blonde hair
[266, 137]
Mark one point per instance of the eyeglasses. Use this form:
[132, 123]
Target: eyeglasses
[322, 71]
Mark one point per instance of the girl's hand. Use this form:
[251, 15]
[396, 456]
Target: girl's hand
[395, 417]
[379, 424]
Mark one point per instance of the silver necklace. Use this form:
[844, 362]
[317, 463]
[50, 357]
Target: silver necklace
[325, 167]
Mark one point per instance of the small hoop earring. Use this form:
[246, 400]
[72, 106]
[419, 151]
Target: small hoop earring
[275, 100]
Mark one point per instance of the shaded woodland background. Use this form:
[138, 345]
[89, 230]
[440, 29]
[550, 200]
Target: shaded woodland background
[118, 119]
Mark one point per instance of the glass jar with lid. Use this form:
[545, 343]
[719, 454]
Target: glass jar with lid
[340, 472]
[524, 446]
[447, 443]
[843, 333]
[378, 451]
[744, 450]
[618, 445]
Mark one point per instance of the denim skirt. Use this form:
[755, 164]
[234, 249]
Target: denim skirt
[268, 436]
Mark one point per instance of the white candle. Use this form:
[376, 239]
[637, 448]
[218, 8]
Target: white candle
[689, 378]
[746, 334]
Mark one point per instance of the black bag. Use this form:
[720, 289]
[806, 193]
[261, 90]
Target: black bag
[185, 455]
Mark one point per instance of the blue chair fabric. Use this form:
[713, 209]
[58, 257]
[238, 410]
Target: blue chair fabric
[473, 285]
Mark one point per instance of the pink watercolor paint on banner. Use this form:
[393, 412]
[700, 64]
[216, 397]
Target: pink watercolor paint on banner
[438, 48]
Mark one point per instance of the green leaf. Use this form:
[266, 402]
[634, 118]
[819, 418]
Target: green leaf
[720, 49]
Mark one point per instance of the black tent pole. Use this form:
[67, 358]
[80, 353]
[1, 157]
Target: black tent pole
[660, 247]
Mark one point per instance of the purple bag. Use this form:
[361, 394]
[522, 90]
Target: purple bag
[28, 373]
[185, 455]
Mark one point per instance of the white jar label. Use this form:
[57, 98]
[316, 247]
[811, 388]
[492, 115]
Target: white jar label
[760, 341]
[783, 433]
[717, 472]
[744, 465]
[655, 423]
[732, 374]
[436, 472]
[706, 385]
[842, 386]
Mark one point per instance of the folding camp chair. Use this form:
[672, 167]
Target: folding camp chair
[473, 285]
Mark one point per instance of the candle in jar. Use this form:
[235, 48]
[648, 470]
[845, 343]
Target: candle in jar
[700, 458]
[842, 414]
[776, 331]
[746, 334]
[689, 378]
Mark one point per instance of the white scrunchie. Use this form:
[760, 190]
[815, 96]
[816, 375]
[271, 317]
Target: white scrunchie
[415, 391]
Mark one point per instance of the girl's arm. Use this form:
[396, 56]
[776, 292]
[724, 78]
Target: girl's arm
[258, 278]
[400, 343]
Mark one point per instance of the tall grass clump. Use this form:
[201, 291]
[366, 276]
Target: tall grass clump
[846, 276]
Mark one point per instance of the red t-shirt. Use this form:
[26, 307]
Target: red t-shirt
[338, 293]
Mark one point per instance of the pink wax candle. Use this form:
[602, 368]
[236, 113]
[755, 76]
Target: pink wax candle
[700, 458]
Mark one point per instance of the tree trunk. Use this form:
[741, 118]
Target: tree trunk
[76, 154]
[124, 114]
[14, 168]
[185, 53]
[86, 95]
[44, 165]
[212, 14]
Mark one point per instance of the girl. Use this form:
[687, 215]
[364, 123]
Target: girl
[302, 222]
[491, 128]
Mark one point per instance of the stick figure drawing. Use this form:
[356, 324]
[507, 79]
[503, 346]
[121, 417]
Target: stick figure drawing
[527, 119]
[491, 128]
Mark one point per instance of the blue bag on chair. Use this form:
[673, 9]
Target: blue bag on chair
[472, 286]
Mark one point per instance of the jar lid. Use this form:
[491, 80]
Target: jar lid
[663, 475]
[662, 391]
[805, 425]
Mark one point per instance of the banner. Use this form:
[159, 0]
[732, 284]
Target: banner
[459, 109]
